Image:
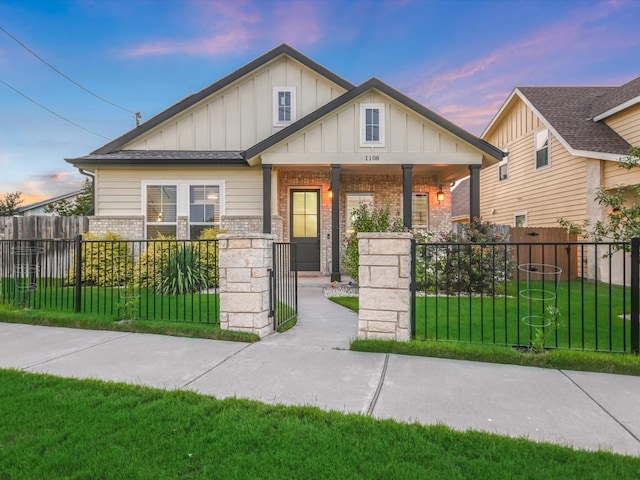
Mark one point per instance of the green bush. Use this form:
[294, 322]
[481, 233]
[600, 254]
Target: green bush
[105, 260]
[184, 272]
[469, 262]
[153, 261]
[367, 219]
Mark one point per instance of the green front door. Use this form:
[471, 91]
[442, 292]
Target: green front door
[305, 228]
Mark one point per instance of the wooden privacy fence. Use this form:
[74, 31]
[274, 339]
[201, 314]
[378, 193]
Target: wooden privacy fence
[547, 246]
[42, 227]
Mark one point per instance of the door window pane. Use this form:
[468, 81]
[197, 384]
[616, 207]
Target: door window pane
[304, 217]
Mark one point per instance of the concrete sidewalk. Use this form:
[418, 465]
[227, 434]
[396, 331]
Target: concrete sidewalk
[310, 365]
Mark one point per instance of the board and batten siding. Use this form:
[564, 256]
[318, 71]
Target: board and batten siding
[405, 132]
[119, 191]
[545, 194]
[241, 114]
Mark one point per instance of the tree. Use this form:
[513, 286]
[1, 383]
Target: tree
[623, 220]
[81, 205]
[10, 204]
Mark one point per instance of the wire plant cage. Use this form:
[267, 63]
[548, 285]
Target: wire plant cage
[26, 267]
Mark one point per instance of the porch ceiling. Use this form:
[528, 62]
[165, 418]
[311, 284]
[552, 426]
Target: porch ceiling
[444, 173]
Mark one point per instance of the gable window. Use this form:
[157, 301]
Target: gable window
[372, 124]
[284, 108]
[353, 201]
[197, 202]
[420, 210]
[503, 167]
[162, 202]
[543, 150]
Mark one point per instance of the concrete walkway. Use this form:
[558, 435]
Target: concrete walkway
[310, 365]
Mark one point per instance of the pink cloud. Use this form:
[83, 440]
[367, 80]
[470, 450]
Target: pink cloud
[237, 40]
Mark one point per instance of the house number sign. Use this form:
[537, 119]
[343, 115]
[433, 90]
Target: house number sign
[372, 158]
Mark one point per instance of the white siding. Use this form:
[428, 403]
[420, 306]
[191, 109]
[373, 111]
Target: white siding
[119, 191]
[240, 115]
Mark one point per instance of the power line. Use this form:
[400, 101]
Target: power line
[65, 76]
[51, 111]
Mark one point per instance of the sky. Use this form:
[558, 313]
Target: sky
[97, 62]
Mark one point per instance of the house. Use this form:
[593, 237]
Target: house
[561, 144]
[39, 208]
[284, 146]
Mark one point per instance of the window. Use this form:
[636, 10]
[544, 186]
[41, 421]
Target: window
[354, 200]
[520, 219]
[542, 149]
[204, 208]
[161, 210]
[200, 203]
[372, 124]
[420, 210]
[503, 167]
[284, 108]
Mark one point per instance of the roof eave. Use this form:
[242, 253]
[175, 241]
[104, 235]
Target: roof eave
[618, 108]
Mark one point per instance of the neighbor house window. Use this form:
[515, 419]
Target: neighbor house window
[520, 219]
[503, 167]
[204, 208]
[284, 108]
[162, 202]
[353, 201]
[542, 149]
[372, 124]
[420, 210]
[200, 203]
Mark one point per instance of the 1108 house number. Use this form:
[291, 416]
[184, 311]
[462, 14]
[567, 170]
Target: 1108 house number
[372, 158]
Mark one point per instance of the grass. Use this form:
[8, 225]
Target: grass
[624, 364]
[10, 314]
[61, 428]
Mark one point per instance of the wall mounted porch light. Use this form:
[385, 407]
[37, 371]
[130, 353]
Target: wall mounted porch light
[440, 194]
[330, 193]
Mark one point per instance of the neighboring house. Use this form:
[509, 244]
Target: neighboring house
[38, 208]
[561, 144]
[460, 201]
[283, 146]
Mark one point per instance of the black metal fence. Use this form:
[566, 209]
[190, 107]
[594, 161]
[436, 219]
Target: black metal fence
[283, 298]
[531, 295]
[175, 280]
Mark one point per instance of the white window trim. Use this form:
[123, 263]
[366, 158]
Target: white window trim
[276, 121]
[182, 198]
[521, 214]
[535, 149]
[381, 117]
[503, 162]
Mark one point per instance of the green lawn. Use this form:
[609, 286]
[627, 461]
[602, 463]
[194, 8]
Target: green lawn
[61, 428]
[56, 296]
[590, 317]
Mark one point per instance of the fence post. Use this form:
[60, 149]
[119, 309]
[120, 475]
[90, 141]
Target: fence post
[78, 283]
[635, 295]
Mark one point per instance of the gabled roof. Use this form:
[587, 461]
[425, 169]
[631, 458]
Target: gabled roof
[382, 87]
[617, 99]
[184, 104]
[568, 113]
[48, 201]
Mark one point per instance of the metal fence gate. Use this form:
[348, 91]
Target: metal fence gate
[283, 292]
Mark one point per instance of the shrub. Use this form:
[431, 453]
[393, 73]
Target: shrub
[184, 272]
[367, 219]
[208, 254]
[104, 260]
[475, 265]
[153, 261]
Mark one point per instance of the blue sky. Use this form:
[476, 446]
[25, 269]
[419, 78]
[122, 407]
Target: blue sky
[460, 58]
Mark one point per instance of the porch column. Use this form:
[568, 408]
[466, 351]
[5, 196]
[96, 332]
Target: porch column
[474, 192]
[335, 223]
[266, 198]
[407, 190]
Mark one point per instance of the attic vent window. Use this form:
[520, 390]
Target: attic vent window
[543, 157]
[284, 106]
[372, 124]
